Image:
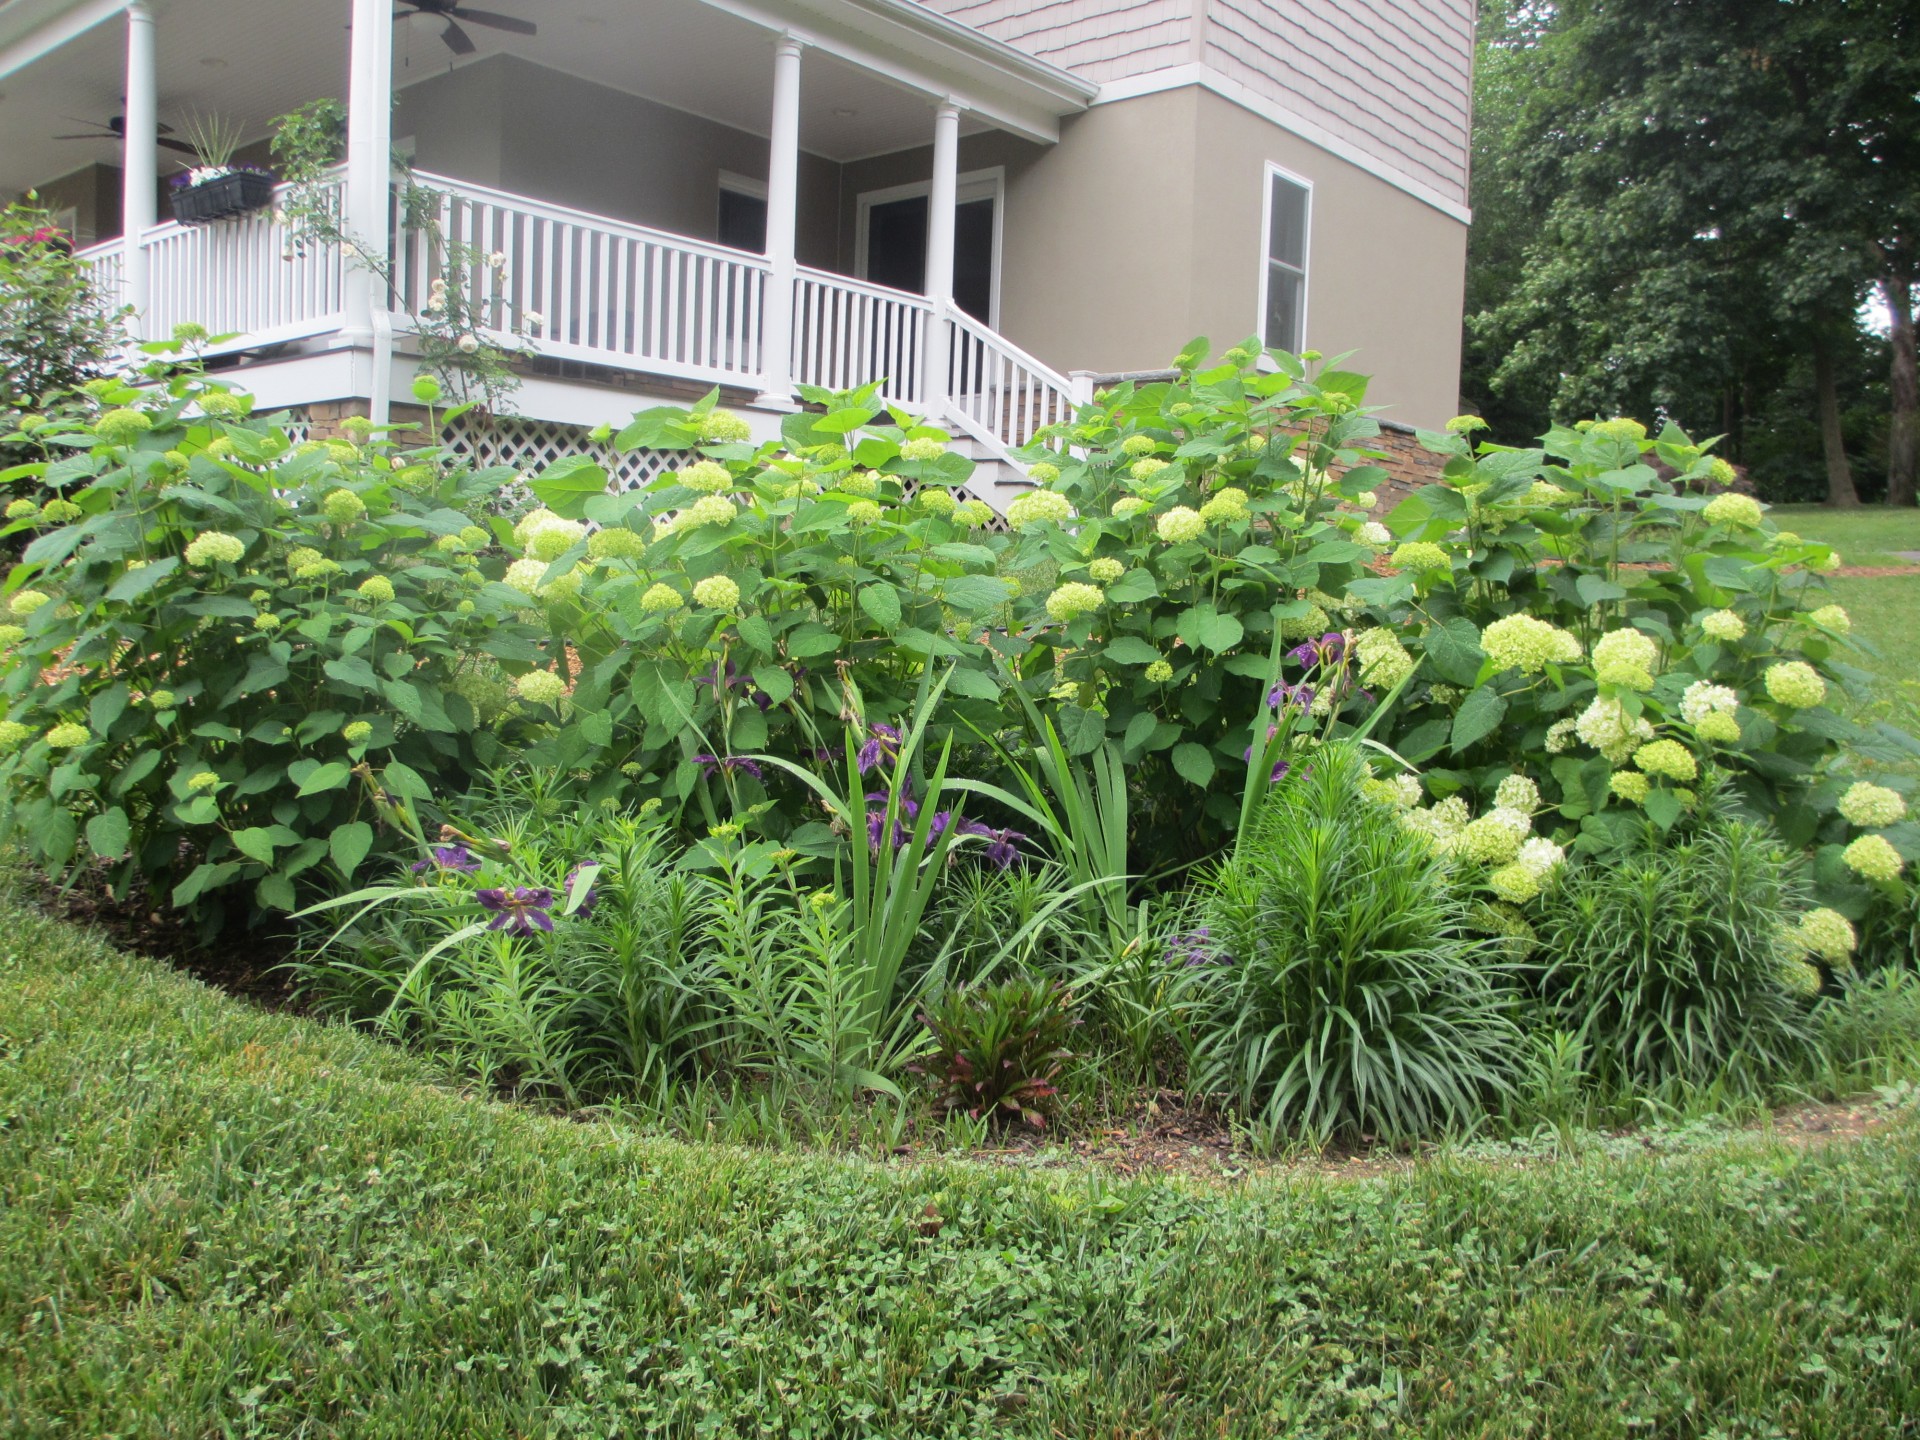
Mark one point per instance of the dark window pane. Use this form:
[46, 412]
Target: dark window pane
[1283, 309]
[743, 221]
[897, 244]
[973, 259]
[1287, 239]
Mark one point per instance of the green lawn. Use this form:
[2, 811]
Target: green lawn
[215, 1221]
[1885, 609]
[1866, 536]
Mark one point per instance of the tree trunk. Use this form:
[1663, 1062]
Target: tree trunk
[1833, 441]
[1903, 435]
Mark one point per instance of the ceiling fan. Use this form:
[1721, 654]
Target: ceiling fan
[453, 12]
[116, 129]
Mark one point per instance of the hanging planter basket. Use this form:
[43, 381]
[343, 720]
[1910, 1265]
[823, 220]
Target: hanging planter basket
[235, 193]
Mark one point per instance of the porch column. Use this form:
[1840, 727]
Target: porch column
[368, 198]
[941, 196]
[139, 159]
[783, 218]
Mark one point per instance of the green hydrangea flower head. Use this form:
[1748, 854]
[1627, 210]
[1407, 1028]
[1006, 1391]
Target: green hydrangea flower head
[526, 576]
[357, 428]
[1626, 658]
[660, 598]
[1827, 617]
[616, 542]
[1420, 555]
[1315, 623]
[1872, 807]
[1618, 428]
[1630, 785]
[318, 570]
[723, 427]
[474, 537]
[60, 511]
[1723, 625]
[161, 699]
[1043, 473]
[1147, 467]
[377, 588]
[717, 592]
[301, 556]
[1039, 506]
[709, 510]
[22, 510]
[1795, 684]
[11, 635]
[1718, 729]
[1159, 672]
[357, 732]
[973, 513]
[1544, 495]
[858, 482]
[1074, 599]
[553, 539]
[1736, 511]
[924, 448]
[1520, 642]
[1607, 727]
[343, 507]
[465, 607]
[1372, 532]
[1495, 838]
[1517, 792]
[1128, 506]
[1180, 525]
[1138, 445]
[1873, 858]
[214, 546]
[709, 477]
[1828, 934]
[540, 687]
[266, 620]
[1721, 473]
[202, 780]
[122, 427]
[223, 405]
[1465, 424]
[25, 602]
[68, 735]
[1105, 569]
[13, 734]
[1514, 883]
[863, 512]
[1226, 506]
[1384, 661]
[936, 501]
[1669, 758]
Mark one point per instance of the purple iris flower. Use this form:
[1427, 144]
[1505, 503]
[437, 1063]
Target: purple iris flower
[883, 745]
[519, 911]
[588, 900]
[1327, 650]
[1195, 949]
[447, 857]
[828, 754]
[1290, 697]
[728, 763]
[1003, 846]
[877, 820]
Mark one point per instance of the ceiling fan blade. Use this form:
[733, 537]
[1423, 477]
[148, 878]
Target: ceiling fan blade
[498, 22]
[103, 135]
[457, 39]
[180, 145]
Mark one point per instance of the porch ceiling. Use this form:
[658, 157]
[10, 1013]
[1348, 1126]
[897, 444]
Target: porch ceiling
[866, 76]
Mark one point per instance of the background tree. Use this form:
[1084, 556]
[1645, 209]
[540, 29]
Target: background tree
[1681, 207]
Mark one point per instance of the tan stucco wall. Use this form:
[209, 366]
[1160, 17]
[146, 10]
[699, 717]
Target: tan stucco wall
[1141, 229]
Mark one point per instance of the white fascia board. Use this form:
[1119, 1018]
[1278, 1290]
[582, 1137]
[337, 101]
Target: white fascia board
[1176, 77]
[919, 51]
[29, 31]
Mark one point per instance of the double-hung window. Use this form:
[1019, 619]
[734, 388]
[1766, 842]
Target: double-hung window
[1283, 285]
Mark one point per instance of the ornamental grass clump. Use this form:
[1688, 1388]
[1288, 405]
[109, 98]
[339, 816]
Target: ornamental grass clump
[1677, 962]
[1347, 995]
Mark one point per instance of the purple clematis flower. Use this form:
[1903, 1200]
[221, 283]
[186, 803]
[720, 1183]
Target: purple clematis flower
[729, 763]
[883, 744]
[1329, 649]
[447, 857]
[519, 911]
[588, 900]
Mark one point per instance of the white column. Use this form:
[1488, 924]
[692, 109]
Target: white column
[139, 159]
[783, 219]
[369, 178]
[941, 196]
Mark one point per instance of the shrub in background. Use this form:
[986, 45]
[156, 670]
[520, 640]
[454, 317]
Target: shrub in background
[1682, 961]
[1341, 991]
[232, 660]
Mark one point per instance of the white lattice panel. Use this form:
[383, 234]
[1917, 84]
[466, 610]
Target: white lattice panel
[529, 446]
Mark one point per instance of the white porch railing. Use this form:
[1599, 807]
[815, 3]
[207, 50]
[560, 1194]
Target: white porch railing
[107, 264]
[997, 392]
[848, 333]
[607, 292]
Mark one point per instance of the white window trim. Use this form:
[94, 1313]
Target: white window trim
[988, 184]
[1267, 176]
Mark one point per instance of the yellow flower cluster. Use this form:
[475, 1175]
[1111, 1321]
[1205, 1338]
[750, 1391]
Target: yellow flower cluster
[1106, 569]
[1872, 806]
[1421, 555]
[723, 427]
[1626, 658]
[616, 542]
[1795, 684]
[974, 513]
[1139, 445]
[709, 477]
[1159, 672]
[343, 507]
[1873, 857]
[863, 512]
[1180, 525]
[1520, 642]
[1827, 617]
[660, 598]
[925, 448]
[1074, 599]
[1225, 507]
[1741, 512]
[1828, 934]
[1669, 758]
[214, 545]
[377, 588]
[717, 592]
[1037, 506]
